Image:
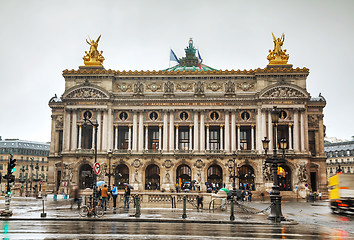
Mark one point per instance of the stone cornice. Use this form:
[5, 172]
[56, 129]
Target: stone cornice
[67, 72]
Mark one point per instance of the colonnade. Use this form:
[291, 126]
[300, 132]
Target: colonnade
[229, 127]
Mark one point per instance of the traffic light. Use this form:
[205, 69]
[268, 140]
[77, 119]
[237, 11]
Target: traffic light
[12, 164]
[11, 178]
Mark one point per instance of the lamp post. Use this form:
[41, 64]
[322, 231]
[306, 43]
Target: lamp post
[275, 198]
[109, 174]
[234, 176]
[87, 116]
[22, 180]
[31, 177]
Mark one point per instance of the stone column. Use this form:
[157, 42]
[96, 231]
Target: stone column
[321, 133]
[135, 131]
[116, 137]
[53, 139]
[146, 137]
[165, 132]
[74, 131]
[110, 129]
[202, 132]
[233, 131]
[207, 138]
[141, 132]
[238, 138]
[252, 137]
[80, 132]
[130, 137]
[105, 131]
[302, 133]
[160, 136]
[196, 132]
[93, 137]
[270, 131]
[227, 131]
[221, 137]
[264, 128]
[296, 130]
[99, 131]
[177, 137]
[190, 137]
[66, 132]
[258, 129]
[172, 131]
[290, 138]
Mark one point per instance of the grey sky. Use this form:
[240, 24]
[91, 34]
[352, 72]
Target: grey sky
[39, 39]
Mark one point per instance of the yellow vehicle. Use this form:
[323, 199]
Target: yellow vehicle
[341, 193]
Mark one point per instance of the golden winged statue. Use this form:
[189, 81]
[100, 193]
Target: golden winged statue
[93, 57]
[278, 56]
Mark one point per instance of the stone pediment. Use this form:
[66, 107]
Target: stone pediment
[284, 92]
[86, 93]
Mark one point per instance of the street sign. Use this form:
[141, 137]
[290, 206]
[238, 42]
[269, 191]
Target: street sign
[306, 185]
[97, 168]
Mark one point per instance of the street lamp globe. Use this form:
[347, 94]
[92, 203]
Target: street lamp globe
[275, 115]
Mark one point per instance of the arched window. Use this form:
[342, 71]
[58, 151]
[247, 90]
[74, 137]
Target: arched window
[214, 176]
[85, 176]
[121, 176]
[183, 176]
[247, 176]
[152, 177]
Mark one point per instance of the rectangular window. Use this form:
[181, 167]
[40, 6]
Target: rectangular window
[312, 143]
[60, 141]
[1, 168]
[245, 138]
[183, 138]
[123, 135]
[86, 137]
[153, 137]
[214, 138]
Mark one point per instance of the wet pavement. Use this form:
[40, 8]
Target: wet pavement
[305, 221]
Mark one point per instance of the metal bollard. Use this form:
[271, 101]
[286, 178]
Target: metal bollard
[137, 206]
[184, 215]
[232, 216]
[43, 214]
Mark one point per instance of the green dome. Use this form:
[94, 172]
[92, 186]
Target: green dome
[189, 62]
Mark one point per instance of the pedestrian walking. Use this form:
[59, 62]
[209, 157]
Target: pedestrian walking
[104, 194]
[114, 195]
[320, 195]
[126, 197]
[77, 198]
[200, 201]
[262, 197]
[249, 196]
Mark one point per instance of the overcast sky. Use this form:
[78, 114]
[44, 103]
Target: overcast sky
[39, 39]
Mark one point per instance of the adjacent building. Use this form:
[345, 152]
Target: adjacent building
[340, 157]
[186, 124]
[31, 162]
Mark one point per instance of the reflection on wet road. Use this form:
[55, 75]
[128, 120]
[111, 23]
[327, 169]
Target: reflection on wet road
[145, 230]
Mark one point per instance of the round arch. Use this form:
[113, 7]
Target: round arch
[247, 177]
[183, 176]
[121, 175]
[284, 175]
[215, 176]
[85, 176]
[152, 177]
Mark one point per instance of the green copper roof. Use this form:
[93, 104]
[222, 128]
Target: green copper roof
[190, 61]
[185, 68]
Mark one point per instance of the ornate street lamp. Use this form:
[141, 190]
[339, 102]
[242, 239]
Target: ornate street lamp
[234, 176]
[109, 174]
[87, 116]
[275, 212]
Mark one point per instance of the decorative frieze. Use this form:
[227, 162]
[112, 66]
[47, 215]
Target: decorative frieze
[184, 87]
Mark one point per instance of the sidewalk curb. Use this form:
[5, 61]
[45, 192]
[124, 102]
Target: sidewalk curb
[160, 220]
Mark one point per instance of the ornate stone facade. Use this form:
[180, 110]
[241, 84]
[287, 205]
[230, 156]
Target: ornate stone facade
[173, 126]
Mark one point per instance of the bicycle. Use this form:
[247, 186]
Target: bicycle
[88, 211]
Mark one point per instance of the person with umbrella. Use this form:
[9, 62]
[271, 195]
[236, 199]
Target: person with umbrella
[126, 196]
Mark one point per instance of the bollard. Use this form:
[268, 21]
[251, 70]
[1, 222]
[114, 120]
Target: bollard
[184, 215]
[232, 216]
[43, 214]
[137, 206]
